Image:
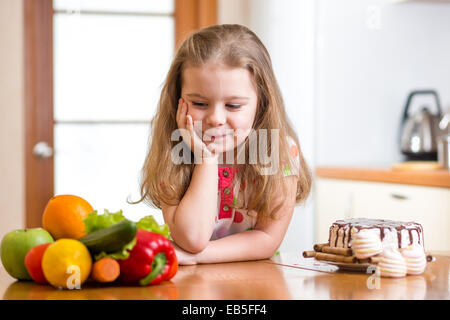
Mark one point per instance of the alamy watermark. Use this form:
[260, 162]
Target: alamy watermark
[74, 280]
[259, 147]
[374, 281]
[373, 20]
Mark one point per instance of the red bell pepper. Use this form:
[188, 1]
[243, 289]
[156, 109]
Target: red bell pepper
[151, 260]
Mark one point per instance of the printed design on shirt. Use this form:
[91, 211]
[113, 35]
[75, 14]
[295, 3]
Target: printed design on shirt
[234, 196]
[293, 151]
[287, 170]
[238, 217]
[221, 232]
[227, 200]
[294, 159]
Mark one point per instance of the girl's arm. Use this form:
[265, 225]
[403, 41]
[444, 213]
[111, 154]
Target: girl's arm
[191, 223]
[259, 243]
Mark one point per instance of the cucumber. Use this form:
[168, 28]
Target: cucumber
[111, 239]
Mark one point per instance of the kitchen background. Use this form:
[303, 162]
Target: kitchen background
[345, 69]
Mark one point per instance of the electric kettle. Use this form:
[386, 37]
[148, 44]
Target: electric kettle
[420, 130]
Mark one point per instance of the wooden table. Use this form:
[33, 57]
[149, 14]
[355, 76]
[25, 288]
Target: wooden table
[286, 276]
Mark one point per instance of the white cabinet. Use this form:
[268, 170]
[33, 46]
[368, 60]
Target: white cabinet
[430, 206]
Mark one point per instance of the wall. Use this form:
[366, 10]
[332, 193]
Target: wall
[234, 12]
[12, 211]
[370, 55]
[345, 68]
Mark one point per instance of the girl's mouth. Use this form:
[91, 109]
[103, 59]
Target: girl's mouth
[214, 138]
[219, 137]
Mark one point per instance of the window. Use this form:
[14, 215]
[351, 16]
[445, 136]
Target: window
[110, 59]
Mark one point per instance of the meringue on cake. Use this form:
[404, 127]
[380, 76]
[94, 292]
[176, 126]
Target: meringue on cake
[416, 260]
[366, 244]
[392, 264]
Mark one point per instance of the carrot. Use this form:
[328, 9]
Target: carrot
[105, 270]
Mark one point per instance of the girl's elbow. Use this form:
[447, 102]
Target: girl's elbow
[271, 249]
[269, 253]
[196, 247]
[194, 244]
[191, 241]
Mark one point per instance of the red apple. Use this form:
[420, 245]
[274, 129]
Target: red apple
[33, 261]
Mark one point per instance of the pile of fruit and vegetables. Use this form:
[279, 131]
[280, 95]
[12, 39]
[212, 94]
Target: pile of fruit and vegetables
[76, 244]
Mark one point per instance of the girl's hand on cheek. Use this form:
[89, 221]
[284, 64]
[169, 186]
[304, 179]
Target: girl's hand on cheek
[190, 137]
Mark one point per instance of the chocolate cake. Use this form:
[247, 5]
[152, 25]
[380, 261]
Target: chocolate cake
[395, 233]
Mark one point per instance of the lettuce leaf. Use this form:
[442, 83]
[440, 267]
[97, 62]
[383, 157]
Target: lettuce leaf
[119, 255]
[95, 222]
[149, 223]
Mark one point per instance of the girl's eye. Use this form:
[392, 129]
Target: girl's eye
[203, 105]
[199, 104]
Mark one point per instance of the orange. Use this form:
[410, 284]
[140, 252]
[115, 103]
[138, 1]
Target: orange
[63, 216]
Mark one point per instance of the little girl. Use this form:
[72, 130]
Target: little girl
[219, 107]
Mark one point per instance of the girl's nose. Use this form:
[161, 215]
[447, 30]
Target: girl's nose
[216, 116]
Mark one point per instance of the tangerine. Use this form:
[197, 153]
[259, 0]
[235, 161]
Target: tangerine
[63, 216]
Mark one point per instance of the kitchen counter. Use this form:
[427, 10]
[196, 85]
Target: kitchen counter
[432, 178]
[286, 276]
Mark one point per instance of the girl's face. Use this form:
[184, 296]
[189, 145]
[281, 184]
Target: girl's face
[223, 100]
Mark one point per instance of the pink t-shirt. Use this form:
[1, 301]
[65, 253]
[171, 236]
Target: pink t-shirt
[230, 220]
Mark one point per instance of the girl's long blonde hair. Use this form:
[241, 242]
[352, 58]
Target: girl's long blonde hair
[164, 182]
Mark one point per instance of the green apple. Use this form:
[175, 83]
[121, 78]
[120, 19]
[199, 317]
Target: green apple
[15, 246]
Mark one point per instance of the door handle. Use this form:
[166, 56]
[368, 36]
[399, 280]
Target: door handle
[399, 196]
[42, 150]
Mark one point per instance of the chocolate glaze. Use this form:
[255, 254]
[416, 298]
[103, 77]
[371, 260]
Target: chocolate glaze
[364, 223]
